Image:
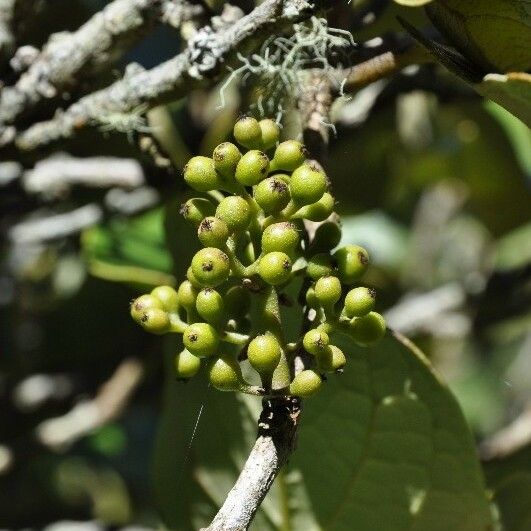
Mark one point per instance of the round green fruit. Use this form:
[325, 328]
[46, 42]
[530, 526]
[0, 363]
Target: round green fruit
[210, 266]
[196, 209]
[368, 329]
[187, 294]
[213, 232]
[201, 175]
[252, 168]
[167, 296]
[352, 262]
[317, 211]
[359, 302]
[272, 194]
[201, 339]
[328, 290]
[248, 133]
[155, 321]
[283, 237]
[331, 360]
[143, 303]
[270, 133]
[235, 212]
[209, 305]
[186, 365]
[275, 268]
[225, 374]
[320, 265]
[306, 383]
[289, 155]
[226, 157]
[315, 341]
[264, 353]
[307, 185]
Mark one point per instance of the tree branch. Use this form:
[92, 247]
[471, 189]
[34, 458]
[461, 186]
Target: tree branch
[201, 63]
[96, 44]
[276, 441]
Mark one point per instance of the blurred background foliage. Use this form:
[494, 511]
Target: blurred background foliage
[434, 181]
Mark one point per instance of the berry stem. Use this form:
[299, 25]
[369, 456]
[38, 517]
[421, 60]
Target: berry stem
[235, 338]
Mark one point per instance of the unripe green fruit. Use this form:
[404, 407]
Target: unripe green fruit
[213, 232]
[143, 303]
[225, 374]
[319, 266]
[192, 279]
[167, 296]
[270, 133]
[210, 266]
[283, 237]
[332, 359]
[201, 175]
[186, 365]
[311, 299]
[196, 209]
[306, 383]
[368, 329]
[237, 301]
[187, 294]
[359, 302]
[264, 353]
[226, 157]
[252, 168]
[248, 133]
[352, 262]
[272, 194]
[201, 339]
[275, 268]
[327, 236]
[235, 212]
[317, 211]
[307, 184]
[289, 155]
[209, 305]
[315, 341]
[155, 321]
[328, 290]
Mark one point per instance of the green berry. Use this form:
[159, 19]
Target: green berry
[252, 168]
[209, 305]
[237, 301]
[201, 175]
[352, 262]
[315, 341]
[167, 296]
[194, 210]
[368, 329]
[143, 303]
[235, 212]
[187, 294]
[226, 157]
[275, 268]
[331, 359]
[213, 232]
[328, 290]
[270, 133]
[289, 155]
[264, 353]
[210, 266]
[248, 133]
[327, 236]
[272, 194]
[201, 339]
[306, 383]
[307, 185]
[317, 211]
[186, 365]
[359, 302]
[319, 266]
[225, 374]
[192, 279]
[155, 321]
[311, 299]
[283, 237]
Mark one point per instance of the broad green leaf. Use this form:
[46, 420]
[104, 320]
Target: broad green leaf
[385, 447]
[511, 91]
[494, 35]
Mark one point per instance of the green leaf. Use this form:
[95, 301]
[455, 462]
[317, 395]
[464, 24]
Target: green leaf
[511, 91]
[385, 447]
[494, 35]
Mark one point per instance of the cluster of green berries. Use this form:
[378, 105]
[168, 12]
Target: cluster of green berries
[255, 244]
